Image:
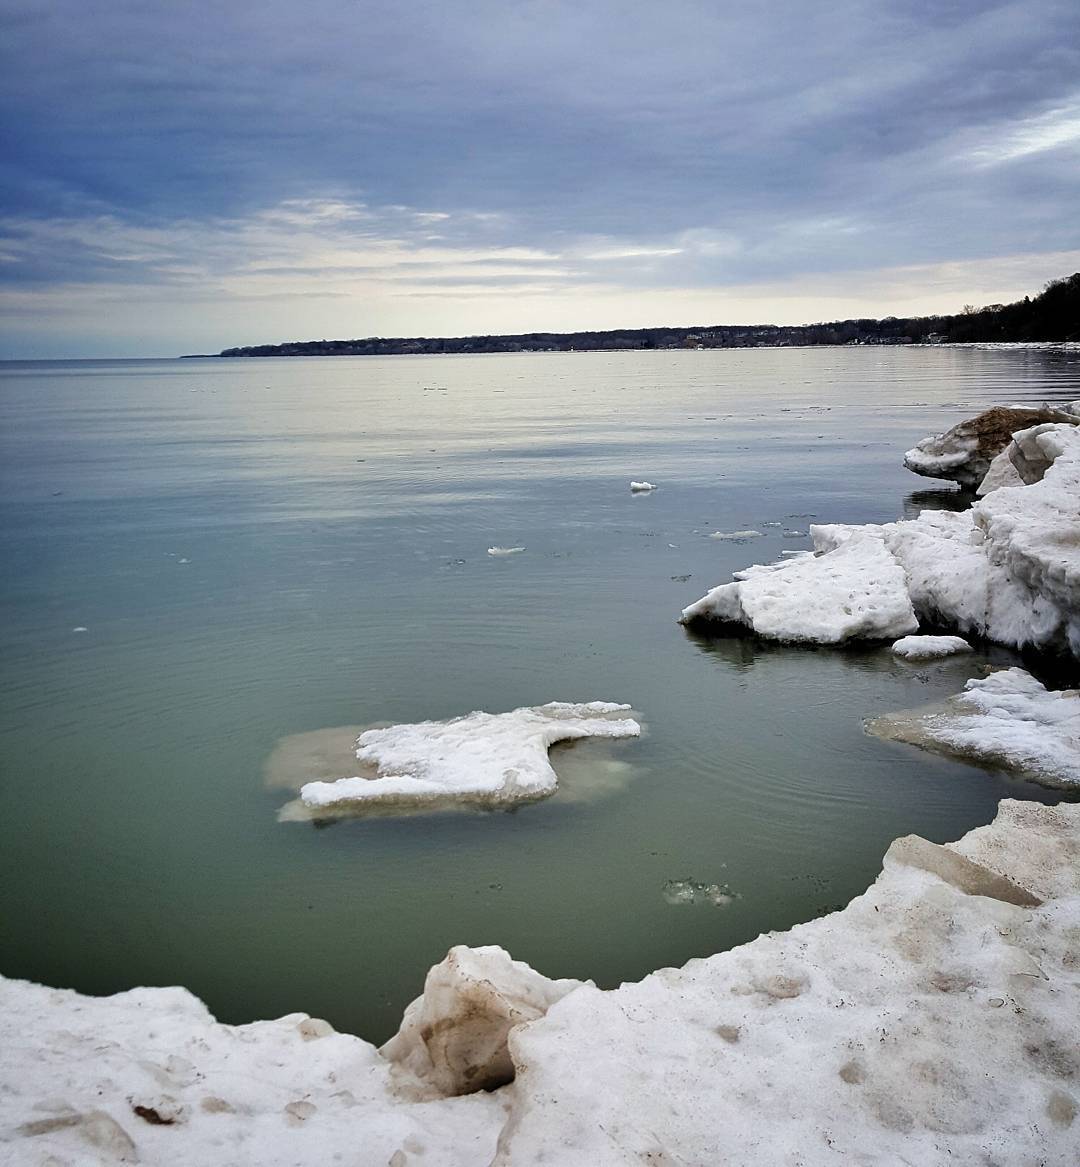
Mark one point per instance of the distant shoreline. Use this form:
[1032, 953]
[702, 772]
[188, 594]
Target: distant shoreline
[1053, 316]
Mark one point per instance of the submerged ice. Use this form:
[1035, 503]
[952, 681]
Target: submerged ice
[494, 759]
[1007, 719]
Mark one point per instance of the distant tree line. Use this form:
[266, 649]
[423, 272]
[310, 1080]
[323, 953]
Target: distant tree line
[1053, 315]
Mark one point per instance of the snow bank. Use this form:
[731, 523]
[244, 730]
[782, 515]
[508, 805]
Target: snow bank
[963, 454]
[927, 647]
[641, 487]
[935, 1019]
[1007, 719]
[1006, 570]
[150, 1077]
[496, 759]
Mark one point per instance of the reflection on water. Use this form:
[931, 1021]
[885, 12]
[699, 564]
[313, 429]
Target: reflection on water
[743, 650]
[940, 499]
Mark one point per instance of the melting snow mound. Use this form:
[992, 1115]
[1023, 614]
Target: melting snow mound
[928, 647]
[853, 590]
[494, 759]
[1007, 570]
[1007, 719]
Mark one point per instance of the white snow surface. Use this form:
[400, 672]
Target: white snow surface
[928, 647]
[641, 487]
[493, 758]
[1007, 719]
[284, 1092]
[1006, 570]
[935, 1019]
[856, 590]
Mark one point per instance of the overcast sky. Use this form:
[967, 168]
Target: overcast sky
[187, 175]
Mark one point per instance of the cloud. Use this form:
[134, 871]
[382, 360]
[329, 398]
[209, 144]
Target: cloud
[205, 147]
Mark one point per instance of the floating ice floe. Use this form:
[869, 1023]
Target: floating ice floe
[736, 536]
[963, 454]
[80, 629]
[641, 487]
[928, 647]
[935, 1019]
[1006, 570]
[493, 759]
[498, 551]
[1007, 719]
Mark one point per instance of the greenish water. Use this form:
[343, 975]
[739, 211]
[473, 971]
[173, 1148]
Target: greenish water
[258, 549]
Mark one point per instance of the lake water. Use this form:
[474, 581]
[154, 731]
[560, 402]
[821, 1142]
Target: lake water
[263, 548]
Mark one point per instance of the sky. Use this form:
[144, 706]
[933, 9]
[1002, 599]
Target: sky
[186, 176]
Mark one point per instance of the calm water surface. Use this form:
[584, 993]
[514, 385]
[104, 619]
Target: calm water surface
[264, 548]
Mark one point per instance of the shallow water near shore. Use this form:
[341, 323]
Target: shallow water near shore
[263, 556]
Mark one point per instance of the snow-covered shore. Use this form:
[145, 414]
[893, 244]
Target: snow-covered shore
[1006, 570]
[936, 1018]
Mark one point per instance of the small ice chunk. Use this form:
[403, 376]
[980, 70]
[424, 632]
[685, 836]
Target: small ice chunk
[496, 759]
[80, 629]
[736, 536]
[641, 487]
[1007, 719]
[497, 551]
[926, 647]
[689, 891]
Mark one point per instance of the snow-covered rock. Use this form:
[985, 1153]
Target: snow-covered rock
[963, 454]
[935, 1019]
[642, 487]
[928, 647]
[452, 1038]
[496, 759]
[854, 590]
[1006, 570]
[1007, 719]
